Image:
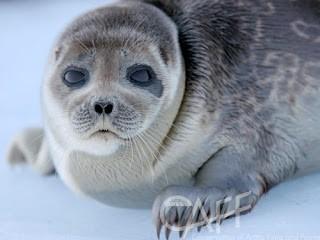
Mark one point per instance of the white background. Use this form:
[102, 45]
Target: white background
[34, 207]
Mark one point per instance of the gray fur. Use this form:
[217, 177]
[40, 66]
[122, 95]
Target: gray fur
[251, 68]
[249, 115]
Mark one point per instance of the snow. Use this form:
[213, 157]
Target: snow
[34, 207]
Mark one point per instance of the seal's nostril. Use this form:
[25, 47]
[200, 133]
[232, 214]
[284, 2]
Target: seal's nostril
[98, 108]
[109, 108]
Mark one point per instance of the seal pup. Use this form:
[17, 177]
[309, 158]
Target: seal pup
[201, 99]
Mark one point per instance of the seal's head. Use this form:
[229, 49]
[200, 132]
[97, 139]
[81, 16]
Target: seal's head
[116, 72]
[113, 88]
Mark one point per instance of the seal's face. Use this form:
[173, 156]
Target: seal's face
[110, 86]
[110, 95]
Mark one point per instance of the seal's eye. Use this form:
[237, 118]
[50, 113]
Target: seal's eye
[75, 77]
[141, 75]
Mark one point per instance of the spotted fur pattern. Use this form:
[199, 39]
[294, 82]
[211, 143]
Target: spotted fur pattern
[254, 67]
[249, 117]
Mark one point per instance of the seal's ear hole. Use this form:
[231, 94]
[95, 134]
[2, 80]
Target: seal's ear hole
[57, 53]
[164, 54]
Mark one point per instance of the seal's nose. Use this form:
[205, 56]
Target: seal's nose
[103, 108]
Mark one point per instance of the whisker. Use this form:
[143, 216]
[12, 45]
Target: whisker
[147, 160]
[157, 160]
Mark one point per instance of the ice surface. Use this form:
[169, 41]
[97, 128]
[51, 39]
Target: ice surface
[33, 207]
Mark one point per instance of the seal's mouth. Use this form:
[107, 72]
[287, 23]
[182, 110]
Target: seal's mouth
[106, 134]
[103, 131]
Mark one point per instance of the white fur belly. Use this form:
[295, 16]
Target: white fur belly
[115, 182]
[122, 182]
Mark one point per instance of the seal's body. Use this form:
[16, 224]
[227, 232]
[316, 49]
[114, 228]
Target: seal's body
[202, 99]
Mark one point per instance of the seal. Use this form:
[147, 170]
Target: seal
[147, 101]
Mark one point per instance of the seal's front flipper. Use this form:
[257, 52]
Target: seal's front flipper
[30, 147]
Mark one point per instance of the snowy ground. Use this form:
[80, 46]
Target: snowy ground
[33, 207]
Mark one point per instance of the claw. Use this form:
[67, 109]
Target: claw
[181, 211]
[199, 215]
[173, 216]
[180, 214]
[159, 227]
[198, 219]
[207, 209]
[186, 216]
[181, 234]
[223, 210]
[187, 220]
[172, 219]
[184, 233]
[168, 232]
